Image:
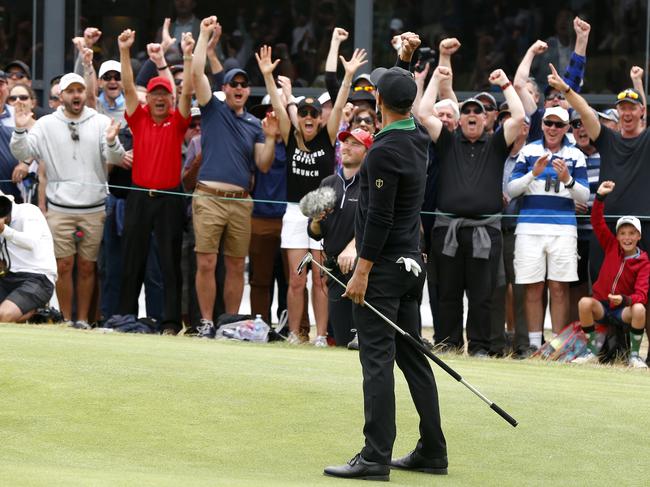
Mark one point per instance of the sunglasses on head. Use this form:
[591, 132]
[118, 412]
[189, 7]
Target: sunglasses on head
[555, 96]
[13, 98]
[628, 94]
[471, 110]
[111, 76]
[17, 75]
[551, 123]
[237, 84]
[576, 124]
[363, 88]
[306, 111]
[366, 120]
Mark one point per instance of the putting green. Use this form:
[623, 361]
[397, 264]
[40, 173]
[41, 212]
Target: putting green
[84, 408]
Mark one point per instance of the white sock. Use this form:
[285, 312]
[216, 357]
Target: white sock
[535, 339]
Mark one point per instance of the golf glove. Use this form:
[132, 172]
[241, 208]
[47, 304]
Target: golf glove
[410, 265]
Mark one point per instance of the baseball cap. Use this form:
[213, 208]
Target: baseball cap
[232, 73]
[310, 102]
[324, 98]
[485, 95]
[3, 75]
[629, 95]
[70, 79]
[395, 85]
[473, 101]
[359, 134]
[23, 67]
[559, 112]
[176, 68]
[159, 81]
[109, 66]
[609, 114]
[629, 220]
[195, 112]
[365, 76]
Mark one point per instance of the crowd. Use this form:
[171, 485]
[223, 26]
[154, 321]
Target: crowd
[166, 177]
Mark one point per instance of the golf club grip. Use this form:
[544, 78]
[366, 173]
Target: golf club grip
[422, 347]
[504, 415]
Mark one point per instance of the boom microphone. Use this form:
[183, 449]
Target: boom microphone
[316, 202]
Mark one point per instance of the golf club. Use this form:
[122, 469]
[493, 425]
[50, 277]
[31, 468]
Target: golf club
[416, 343]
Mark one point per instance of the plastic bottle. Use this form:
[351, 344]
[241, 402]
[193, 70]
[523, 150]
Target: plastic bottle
[259, 328]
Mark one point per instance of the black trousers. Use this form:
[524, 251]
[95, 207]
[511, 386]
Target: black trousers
[462, 273]
[340, 309]
[395, 293]
[165, 216]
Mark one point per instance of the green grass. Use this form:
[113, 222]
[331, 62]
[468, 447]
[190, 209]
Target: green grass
[82, 408]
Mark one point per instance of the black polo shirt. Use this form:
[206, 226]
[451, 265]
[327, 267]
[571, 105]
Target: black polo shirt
[470, 175]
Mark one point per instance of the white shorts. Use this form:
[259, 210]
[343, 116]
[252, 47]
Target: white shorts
[294, 231]
[541, 257]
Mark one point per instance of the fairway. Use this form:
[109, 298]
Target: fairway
[90, 409]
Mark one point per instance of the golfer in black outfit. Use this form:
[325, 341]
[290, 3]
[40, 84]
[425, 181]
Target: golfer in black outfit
[392, 182]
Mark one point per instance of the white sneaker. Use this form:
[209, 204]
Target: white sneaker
[293, 339]
[636, 362]
[320, 341]
[588, 358]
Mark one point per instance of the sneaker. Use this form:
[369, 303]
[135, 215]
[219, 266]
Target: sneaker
[354, 344]
[588, 358]
[636, 362]
[206, 329]
[293, 339]
[81, 325]
[320, 341]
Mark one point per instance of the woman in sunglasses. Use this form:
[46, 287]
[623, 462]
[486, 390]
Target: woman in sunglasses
[310, 157]
[366, 119]
[24, 95]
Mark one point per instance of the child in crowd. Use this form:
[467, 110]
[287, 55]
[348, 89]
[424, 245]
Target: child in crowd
[621, 290]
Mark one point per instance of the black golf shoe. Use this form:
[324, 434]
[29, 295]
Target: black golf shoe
[415, 461]
[359, 468]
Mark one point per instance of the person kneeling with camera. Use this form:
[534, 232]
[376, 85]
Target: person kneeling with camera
[27, 263]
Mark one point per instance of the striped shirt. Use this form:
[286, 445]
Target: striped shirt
[593, 175]
[552, 211]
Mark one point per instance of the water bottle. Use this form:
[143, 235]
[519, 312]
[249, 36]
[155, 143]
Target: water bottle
[259, 328]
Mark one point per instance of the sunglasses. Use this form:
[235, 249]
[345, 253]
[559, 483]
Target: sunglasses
[237, 84]
[550, 123]
[109, 77]
[194, 125]
[489, 108]
[306, 111]
[555, 96]
[471, 110]
[363, 88]
[54, 98]
[628, 94]
[74, 132]
[17, 75]
[178, 81]
[13, 98]
[576, 124]
[366, 120]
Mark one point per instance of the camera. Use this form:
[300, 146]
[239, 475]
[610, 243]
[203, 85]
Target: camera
[426, 55]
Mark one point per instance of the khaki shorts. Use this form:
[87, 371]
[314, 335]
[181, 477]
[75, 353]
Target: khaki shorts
[214, 217]
[63, 227]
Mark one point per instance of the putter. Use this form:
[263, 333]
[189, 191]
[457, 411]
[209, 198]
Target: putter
[416, 343]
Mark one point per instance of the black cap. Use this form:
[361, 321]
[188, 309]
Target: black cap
[629, 95]
[395, 85]
[23, 67]
[311, 103]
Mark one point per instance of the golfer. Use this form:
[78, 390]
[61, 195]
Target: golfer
[387, 230]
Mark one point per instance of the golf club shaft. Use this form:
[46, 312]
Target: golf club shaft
[422, 348]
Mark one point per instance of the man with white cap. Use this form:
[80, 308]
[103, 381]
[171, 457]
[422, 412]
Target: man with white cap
[111, 98]
[551, 174]
[75, 143]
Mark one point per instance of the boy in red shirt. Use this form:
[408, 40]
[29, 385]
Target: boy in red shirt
[621, 290]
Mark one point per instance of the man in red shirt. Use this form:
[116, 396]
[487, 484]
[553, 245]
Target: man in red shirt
[158, 130]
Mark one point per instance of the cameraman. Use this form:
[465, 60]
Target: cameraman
[27, 263]
[336, 228]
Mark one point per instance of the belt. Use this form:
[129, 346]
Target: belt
[157, 193]
[221, 193]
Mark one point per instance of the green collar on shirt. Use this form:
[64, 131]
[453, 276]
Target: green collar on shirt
[406, 124]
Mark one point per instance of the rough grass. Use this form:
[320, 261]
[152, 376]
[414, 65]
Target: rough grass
[82, 408]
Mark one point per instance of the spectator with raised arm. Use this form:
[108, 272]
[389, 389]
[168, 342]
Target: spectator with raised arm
[74, 147]
[528, 90]
[232, 145]
[623, 155]
[310, 158]
[158, 130]
[467, 245]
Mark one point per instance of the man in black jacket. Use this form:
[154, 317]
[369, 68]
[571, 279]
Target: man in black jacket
[336, 229]
[387, 230]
